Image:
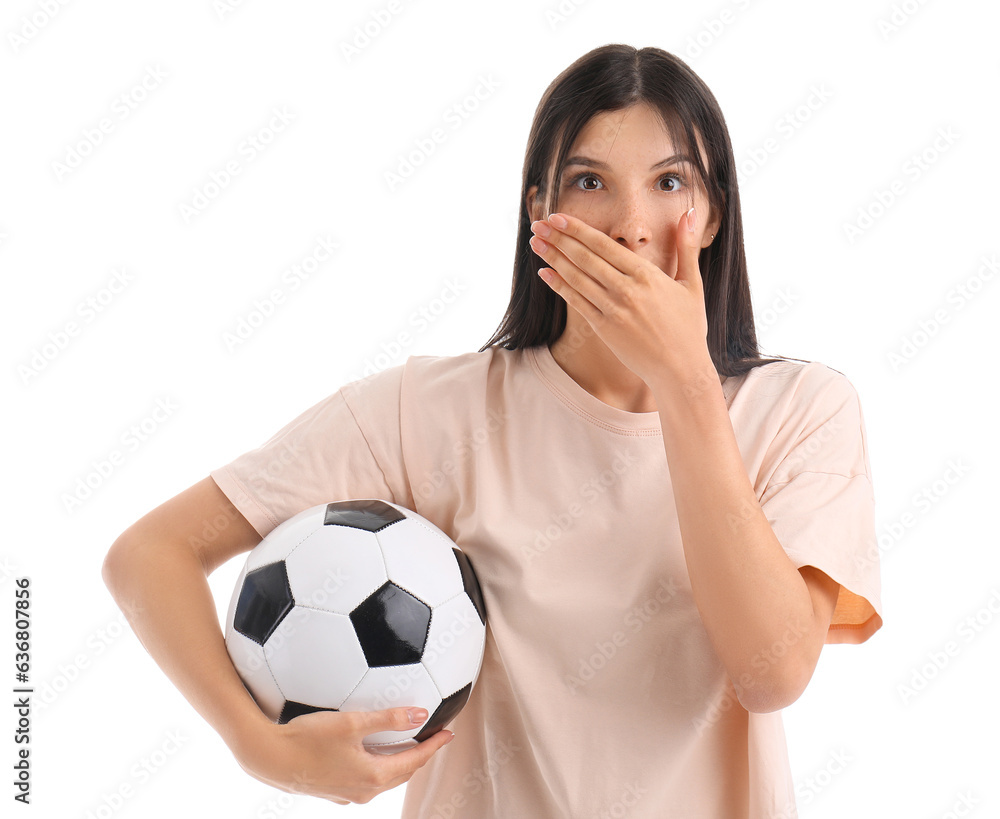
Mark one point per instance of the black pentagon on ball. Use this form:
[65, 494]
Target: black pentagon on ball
[391, 625]
[471, 583]
[294, 709]
[370, 515]
[444, 713]
[264, 601]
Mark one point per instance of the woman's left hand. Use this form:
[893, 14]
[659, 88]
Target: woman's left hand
[653, 322]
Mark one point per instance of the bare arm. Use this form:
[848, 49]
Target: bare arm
[157, 576]
[157, 571]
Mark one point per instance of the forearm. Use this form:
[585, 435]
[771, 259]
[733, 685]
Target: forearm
[162, 589]
[754, 604]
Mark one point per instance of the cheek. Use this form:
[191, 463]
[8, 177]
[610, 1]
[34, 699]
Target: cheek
[578, 205]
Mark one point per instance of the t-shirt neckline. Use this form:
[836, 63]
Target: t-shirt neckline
[588, 406]
[582, 402]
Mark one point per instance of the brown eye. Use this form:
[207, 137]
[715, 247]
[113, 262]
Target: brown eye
[579, 177]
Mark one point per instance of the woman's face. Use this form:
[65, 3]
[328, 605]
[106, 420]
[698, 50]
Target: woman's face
[615, 182]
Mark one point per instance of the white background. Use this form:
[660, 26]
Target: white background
[859, 746]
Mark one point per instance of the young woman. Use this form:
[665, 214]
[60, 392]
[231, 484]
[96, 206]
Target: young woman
[667, 527]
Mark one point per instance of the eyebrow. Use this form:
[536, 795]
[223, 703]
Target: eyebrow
[596, 163]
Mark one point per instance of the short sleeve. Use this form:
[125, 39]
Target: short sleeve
[820, 498]
[324, 455]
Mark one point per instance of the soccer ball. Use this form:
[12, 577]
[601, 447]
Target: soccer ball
[359, 605]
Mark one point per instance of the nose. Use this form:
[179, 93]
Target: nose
[631, 225]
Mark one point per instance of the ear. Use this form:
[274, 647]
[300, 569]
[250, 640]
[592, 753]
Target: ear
[534, 207]
[712, 229]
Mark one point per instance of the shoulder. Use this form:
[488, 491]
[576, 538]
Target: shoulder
[422, 374]
[810, 403]
[456, 366]
[806, 416]
[794, 383]
[463, 375]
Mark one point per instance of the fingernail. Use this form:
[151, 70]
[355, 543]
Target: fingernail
[539, 228]
[417, 715]
[451, 736]
[691, 220]
[558, 220]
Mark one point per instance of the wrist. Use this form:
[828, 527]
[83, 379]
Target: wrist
[249, 730]
[687, 381]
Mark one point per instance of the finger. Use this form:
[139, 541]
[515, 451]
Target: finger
[580, 256]
[616, 256]
[571, 279]
[401, 766]
[581, 279]
[688, 249]
[673, 258]
[389, 719]
[398, 719]
[568, 291]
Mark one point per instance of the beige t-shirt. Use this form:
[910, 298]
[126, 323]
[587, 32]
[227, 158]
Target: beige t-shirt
[600, 693]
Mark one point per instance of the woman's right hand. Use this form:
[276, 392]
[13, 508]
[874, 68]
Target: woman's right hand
[321, 754]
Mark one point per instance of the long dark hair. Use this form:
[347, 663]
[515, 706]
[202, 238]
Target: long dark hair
[610, 78]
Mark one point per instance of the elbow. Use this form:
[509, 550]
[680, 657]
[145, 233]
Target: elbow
[763, 698]
[122, 572]
[113, 567]
[772, 699]
[122, 564]
[778, 684]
